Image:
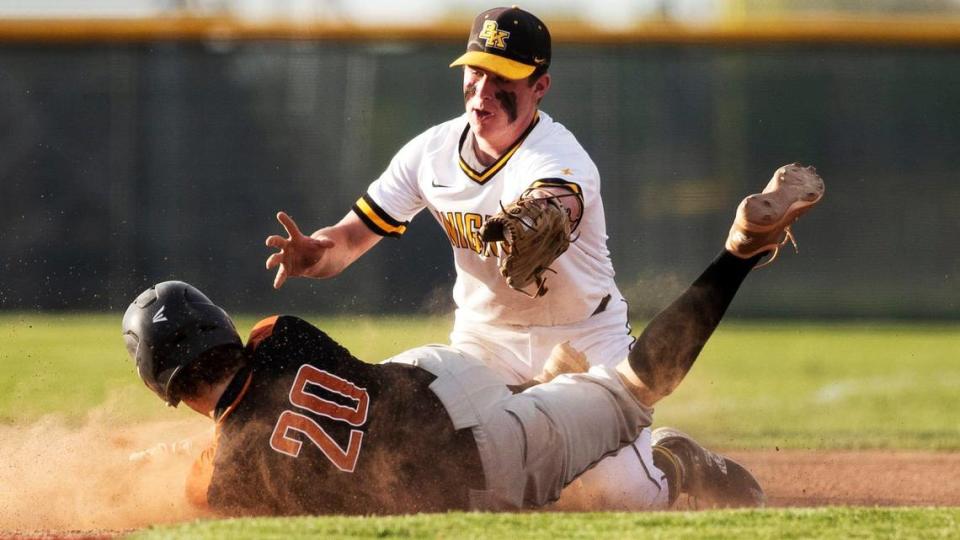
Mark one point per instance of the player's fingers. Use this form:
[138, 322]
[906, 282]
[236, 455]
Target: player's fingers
[275, 259]
[289, 224]
[276, 241]
[281, 277]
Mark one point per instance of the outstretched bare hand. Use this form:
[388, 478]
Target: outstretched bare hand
[299, 255]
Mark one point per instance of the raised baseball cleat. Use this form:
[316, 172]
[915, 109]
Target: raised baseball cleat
[709, 479]
[763, 220]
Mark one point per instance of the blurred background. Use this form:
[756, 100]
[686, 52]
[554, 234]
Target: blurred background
[145, 140]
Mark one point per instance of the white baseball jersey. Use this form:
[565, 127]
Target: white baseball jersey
[431, 172]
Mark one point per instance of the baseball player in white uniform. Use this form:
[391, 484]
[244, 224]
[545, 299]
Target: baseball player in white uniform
[464, 171]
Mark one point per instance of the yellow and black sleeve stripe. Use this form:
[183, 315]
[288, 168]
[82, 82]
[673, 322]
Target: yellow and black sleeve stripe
[573, 187]
[558, 182]
[377, 219]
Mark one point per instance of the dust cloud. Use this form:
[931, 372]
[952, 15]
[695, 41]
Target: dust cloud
[57, 474]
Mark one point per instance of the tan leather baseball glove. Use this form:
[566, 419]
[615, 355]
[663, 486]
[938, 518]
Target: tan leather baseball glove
[532, 233]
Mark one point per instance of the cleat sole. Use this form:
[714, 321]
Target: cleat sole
[791, 192]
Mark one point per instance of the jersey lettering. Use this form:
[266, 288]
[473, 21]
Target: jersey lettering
[463, 231]
[291, 422]
[282, 440]
[448, 227]
[355, 416]
[472, 223]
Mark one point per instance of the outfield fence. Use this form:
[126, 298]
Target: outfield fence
[129, 159]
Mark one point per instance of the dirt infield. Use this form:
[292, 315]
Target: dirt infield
[856, 478]
[791, 478]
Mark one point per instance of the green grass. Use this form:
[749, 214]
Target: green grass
[840, 523]
[823, 386]
[783, 385]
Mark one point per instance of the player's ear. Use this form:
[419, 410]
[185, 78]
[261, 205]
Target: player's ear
[541, 85]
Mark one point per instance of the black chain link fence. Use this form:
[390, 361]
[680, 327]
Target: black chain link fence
[123, 165]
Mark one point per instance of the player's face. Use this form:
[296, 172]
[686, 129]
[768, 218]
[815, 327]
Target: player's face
[499, 109]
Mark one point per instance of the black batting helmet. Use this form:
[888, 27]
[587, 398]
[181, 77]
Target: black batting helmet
[169, 326]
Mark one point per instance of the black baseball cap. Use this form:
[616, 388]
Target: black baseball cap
[510, 42]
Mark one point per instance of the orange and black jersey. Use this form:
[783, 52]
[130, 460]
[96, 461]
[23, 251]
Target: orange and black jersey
[308, 429]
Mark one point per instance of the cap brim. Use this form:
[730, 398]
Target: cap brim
[504, 67]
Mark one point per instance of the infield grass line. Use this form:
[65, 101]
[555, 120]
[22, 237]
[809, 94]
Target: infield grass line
[828, 523]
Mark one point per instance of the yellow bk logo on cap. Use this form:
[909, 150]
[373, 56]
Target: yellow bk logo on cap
[493, 36]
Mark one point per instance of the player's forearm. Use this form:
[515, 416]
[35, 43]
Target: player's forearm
[335, 259]
[351, 239]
